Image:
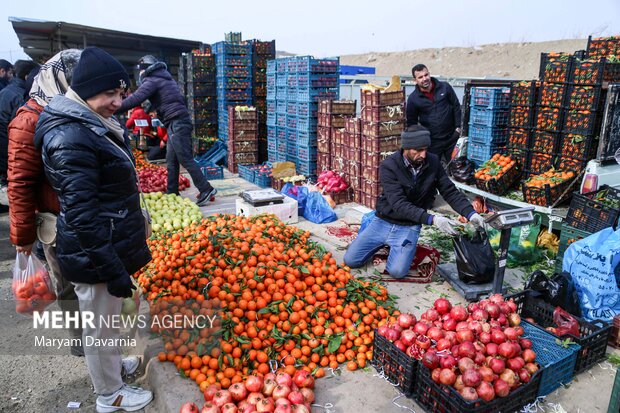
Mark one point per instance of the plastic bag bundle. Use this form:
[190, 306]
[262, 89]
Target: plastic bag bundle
[475, 260]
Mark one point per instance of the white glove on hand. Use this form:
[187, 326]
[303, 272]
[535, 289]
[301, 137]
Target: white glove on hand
[477, 221]
[445, 225]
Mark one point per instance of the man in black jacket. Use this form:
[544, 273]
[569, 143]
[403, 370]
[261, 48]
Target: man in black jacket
[434, 105]
[6, 73]
[11, 98]
[410, 178]
[158, 86]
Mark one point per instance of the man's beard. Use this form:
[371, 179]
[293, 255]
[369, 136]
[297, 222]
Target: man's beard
[416, 164]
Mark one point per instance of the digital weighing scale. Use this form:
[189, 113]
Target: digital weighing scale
[261, 197]
[503, 221]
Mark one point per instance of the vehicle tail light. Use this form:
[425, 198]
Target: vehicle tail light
[590, 183]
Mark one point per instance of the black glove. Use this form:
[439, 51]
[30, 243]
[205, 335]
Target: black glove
[121, 287]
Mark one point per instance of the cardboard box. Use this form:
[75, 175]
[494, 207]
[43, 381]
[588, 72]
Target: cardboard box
[286, 211]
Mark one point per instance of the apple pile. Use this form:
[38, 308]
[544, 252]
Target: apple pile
[277, 393]
[478, 350]
[156, 180]
[171, 212]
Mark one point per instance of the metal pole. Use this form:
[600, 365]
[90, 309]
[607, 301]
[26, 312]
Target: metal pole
[502, 255]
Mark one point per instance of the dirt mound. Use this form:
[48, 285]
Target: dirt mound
[501, 60]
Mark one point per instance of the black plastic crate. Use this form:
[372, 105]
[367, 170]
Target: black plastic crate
[552, 95]
[577, 146]
[523, 93]
[398, 367]
[519, 138]
[581, 122]
[548, 195]
[612, 70]
[594, 210]
[549, 119]
[521, 116]
[439, 398]
[538, 162]
[587, 72]
[555, 67]
[544, 142]
[583, 97]
[593, 335]
[603, 46]
[610, 132]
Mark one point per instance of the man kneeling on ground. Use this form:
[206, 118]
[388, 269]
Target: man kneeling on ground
[410, 179]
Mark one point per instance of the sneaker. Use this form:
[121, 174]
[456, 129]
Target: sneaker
[129, 366]
[126, 398]
[205, 197]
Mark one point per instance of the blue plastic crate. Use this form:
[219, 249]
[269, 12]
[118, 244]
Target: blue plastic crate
[488, 117]
[246, 172]
[271, 132]
[306, 138]
[281, 80]
[306, 124]
[232, 60]
[306, 168]
[291, 108]
[281, 145]
[490, 97]
[480, 153]
[487, 134]
[271, 93]
[282, 65]
[291, 94]
[212, 172]
[316, 94]
[291, 64]
[233, 82]
[232, 48]
[306, 153]
[271, 81]
[291, 136]
[218, 151]
[263, 181]
[291, 151]
[272, 156]
[281, 120]
[280, 156]
[271, 67]
[281, 107]
[310, 64]
[234, 71]
[291, 121]
[558, 362]
[281, 134]
[271, 145]
[234, 94]
[291, 80]
[308, 109]
[271, 106]
[271, 119]
[314, 80]
[281, 92]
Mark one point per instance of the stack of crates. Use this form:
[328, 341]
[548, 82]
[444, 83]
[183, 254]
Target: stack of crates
[488, 121]
[332, 148]
[201, 92]
[609, 49]
[271, 113]
[521, 114]
[262, 52]
[381, 126]
[234, 79]
[242, 136]
[353, 136]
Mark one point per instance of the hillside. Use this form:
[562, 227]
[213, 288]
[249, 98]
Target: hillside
[501, 60]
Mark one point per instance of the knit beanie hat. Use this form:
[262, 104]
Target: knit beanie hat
[415, 137]
[96, 72]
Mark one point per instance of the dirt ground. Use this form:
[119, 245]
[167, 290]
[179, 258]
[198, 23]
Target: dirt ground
[500, 60]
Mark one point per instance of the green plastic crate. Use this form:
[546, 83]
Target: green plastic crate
[567, 236]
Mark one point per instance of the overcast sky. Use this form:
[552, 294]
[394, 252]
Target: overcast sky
[330, 27]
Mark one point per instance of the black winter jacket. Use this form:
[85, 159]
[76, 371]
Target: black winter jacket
[100, 228]
[162, 91]
[404, 202]
[11, 99]
[440, 117]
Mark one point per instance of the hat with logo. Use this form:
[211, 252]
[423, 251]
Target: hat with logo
[96, 72]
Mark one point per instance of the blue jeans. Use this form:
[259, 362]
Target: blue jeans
[179, 151]
[401, 239]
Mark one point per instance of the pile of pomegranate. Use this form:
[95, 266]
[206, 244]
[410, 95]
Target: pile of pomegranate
[277, 393]
[478, 350]
[156, 179]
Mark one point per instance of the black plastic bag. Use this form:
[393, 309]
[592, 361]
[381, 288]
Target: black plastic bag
[462, 169]
[558, 290]
[475, 260]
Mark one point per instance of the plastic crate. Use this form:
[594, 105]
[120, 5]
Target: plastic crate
[544, 142]
[272, 106]
[264, 48]
[377, 98]
[580, 97]
[222, 60]
[490, 97]
[271, 145]
[306, 124]
[518, 138]
[553, 95]
[549, 119]
[230, 48]
[382, 129]
[547, 195]
[280, 156]
[281, 120]
[282, 65]
[212, 172]
[314, 80]
[317, 94]
[201, 89]
[504, 183]
[234, 82]
[306, 168]
[538, 162]
[577, 146]
[520, 116]
[555, 67]
[487, 134]
[438, 398]
[592, 338]
[587, 72]
[281, 80]
[291, 121]
[488, 117]
[233, 94]
[306, 153]
[264, 181]
[234, 71]
[480, 153]
[281, 107]
[271, 67]
[594, 210]
[306, 138]
[271, 119]
[307, 109]
[582, 122]
[291, 108]
[523, 93]
[309, 64]
[603, 46]
[396, 365]
[246, 172]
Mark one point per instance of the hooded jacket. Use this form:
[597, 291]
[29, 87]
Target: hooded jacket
[405, 200]
[162, 91]
[29, 190]
[100, 227]
[440, 116]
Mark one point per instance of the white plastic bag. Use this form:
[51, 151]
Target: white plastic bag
[32, 286]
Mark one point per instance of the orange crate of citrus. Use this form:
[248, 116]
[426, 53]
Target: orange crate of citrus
[498, 174]
[548, 188]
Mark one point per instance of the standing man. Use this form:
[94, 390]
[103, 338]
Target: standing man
[434, 105]
[6, 73]
[410, 178]
[11, 98]
[158, 86]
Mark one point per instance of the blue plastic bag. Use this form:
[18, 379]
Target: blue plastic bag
[298, 193]
[366, 220]
[318, 210]
[593, 264]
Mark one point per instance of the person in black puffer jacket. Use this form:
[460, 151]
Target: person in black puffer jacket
[158, 86]
[410, 179]
[101, 236]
